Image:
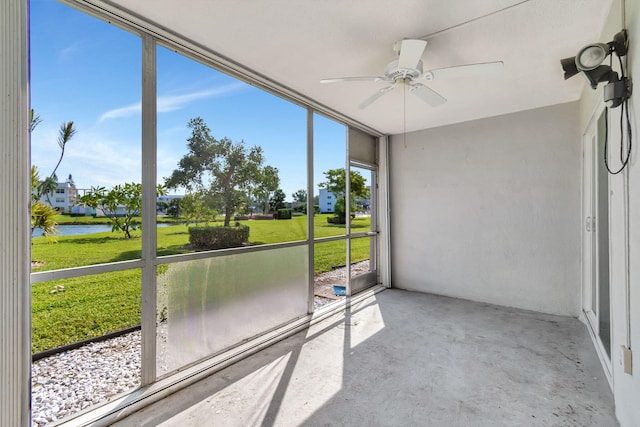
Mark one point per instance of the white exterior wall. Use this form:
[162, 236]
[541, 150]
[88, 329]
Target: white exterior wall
[63, 200]
[489, 210]
[327, 201]
[623, 258]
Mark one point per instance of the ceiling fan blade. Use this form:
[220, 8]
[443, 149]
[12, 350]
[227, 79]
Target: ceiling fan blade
[375, 96]
[481, 69]
[410, 53]
[354, 79]
[427, 94]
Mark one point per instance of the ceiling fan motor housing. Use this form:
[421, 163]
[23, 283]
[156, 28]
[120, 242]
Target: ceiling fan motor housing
[392, 72]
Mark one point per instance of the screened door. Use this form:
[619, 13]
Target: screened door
[596, 298]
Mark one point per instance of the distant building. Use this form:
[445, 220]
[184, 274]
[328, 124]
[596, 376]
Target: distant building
[169, 197]
[63, 197]
[81, 209]
[327, 201]
[162, 202]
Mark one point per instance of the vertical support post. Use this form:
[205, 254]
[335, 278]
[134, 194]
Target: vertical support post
[347, 214]
[384, 236]
[375, 227]
[15, 247]
[310, 210]
[149, 229]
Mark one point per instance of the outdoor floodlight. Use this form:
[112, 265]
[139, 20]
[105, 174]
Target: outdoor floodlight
[569, 67]
[599, 74]
[591, 56]
[588, 61]
[615, 93]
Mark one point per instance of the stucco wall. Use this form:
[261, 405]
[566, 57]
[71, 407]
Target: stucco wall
[489, 210]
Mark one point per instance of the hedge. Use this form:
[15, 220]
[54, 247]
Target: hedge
[284, 214]
[218, 237]
[338, 219]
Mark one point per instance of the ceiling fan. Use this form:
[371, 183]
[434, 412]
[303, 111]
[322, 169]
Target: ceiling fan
[407, 71]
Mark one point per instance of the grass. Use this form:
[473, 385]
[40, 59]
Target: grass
[90, 306]
[97, 304]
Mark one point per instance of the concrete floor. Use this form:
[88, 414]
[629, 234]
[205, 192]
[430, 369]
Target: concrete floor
[407, 359]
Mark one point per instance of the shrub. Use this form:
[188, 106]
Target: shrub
[336, 220]
[284, 214]
[218, 237]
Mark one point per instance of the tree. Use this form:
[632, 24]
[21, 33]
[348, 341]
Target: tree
[195, 207]
[173, 208]
[277, 201]
[122, 204]
[336, 184]
[34, 120]
[300, 196]
[299, 201]
[267, 183]
[223, 169]
[43, 215]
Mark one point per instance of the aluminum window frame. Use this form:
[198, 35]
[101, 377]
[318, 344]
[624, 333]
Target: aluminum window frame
[151, 37]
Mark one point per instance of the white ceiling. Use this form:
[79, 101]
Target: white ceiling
[299, 42]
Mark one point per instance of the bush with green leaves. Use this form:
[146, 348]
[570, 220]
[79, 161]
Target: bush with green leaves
[198, 206]
[122, 205]
[218, 237]
[336, 183]
[284, 213]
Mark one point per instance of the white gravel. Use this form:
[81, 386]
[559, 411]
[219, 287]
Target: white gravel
[69, 382]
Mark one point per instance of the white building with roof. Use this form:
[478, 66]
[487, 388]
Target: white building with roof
[63, 197]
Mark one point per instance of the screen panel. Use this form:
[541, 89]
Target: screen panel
[208, 305]
[362, 147]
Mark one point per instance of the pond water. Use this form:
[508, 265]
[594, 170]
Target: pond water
[74, 230]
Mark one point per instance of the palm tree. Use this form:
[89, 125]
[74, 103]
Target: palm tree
[43, 215]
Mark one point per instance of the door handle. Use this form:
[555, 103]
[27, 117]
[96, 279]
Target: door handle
[593, 224]
[588, 223]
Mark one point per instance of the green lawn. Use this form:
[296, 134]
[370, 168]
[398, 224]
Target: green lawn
[95, 305]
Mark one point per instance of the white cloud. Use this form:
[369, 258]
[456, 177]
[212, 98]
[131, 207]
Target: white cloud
[116, 113]
[92, 158]
[172, 103]
[69, 51]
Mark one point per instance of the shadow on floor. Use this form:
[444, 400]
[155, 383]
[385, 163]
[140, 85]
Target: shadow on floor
[403, 358]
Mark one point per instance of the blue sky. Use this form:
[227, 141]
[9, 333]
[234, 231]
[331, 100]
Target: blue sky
[87, 71]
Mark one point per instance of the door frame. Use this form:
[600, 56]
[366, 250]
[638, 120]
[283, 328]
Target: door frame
[589, 146]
